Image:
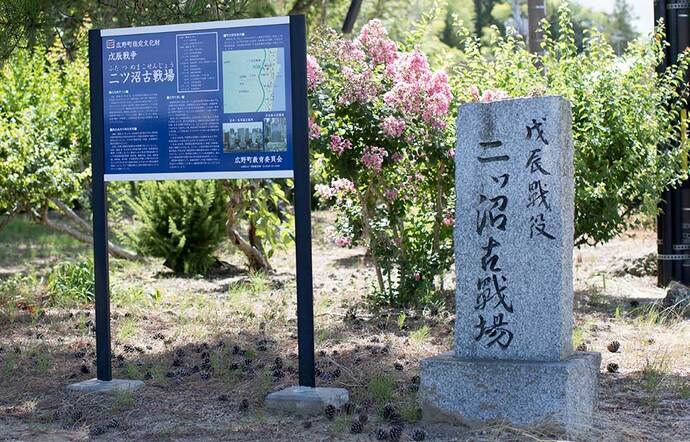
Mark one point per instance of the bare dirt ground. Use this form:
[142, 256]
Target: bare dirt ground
[210, 349]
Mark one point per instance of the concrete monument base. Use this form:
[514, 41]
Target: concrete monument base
[96, 386]
[560, 395]
[307, 400]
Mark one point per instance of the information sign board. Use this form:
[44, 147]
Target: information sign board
[199, 100]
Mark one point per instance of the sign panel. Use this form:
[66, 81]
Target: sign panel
[200, 100]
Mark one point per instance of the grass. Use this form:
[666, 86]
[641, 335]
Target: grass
[192, 311]
[127, 328]
[381, 387]
[124, 399]
[420, 335]
[23, 240]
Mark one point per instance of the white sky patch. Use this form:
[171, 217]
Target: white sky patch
[643, 10]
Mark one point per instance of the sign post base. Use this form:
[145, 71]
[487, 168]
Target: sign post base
[307, 400]
[98, 386]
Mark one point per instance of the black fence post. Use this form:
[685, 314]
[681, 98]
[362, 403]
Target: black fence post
[305, 308]
[100, 210]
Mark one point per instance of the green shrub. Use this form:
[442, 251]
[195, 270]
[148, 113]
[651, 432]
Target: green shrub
[19, 293]
[71, 284]
[182, 222]
[623, 112]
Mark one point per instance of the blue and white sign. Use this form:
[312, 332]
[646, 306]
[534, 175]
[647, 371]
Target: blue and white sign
[200, 100]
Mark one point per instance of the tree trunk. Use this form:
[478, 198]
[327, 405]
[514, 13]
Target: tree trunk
[366, 230]
[257, 260]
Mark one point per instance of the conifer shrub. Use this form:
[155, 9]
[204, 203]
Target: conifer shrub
[182, 222]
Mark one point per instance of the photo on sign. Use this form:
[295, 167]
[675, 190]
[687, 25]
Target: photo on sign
[243, 137]
[275, 134]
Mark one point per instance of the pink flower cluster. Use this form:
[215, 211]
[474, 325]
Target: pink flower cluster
[360, 87]
[337, 187]
[390, 194]
[339, 144]
[392, 127]
[373, 157]
[342, 241]
[488, 96]
[314, 73]
[374, 41]
[342, 185]
[314, 129]
[324, 191]
[418, 91]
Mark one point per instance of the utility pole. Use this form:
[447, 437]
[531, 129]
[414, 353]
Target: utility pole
[536, 11]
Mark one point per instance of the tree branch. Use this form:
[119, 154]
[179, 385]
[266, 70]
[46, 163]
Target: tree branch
[69, 213]
[113, 249]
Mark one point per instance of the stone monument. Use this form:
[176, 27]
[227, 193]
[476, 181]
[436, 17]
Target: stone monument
[513, 360]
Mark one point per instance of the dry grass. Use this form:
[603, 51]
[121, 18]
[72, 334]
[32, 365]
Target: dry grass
[164, 327]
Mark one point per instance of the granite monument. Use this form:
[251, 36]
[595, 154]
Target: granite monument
[513, 360]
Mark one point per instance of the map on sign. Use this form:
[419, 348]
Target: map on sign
[254, 80]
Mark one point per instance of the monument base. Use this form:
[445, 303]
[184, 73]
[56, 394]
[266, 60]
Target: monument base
[307, 400]
[558, 395]
[96, 386]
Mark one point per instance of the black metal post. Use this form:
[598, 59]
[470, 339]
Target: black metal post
[305, 307]
[536, 12]
[100, 210]
[673, 222]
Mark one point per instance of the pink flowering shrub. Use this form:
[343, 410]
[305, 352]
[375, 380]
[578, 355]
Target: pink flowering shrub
[381, 126]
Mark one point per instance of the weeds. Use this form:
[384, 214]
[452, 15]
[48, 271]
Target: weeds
[578, 336]
[71, 284]
[340, 424]
[8, 365]
[19, 293]
[654, 314]
[127, 328]
[123, 399]
[42, 363]
[420, 335]
[654, 373]
[381, 387]
[402, 317]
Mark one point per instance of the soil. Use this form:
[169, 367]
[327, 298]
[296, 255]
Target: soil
[207, 349]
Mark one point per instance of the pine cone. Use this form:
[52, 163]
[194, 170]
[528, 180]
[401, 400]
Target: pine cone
[330, 411]
[395, 433]
[418, 435]
[388, 411]
[381, 434]
[356, 427]
[612, 367]
[614, 346]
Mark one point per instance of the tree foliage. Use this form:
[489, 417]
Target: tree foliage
[623, 111]
[392, 181]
